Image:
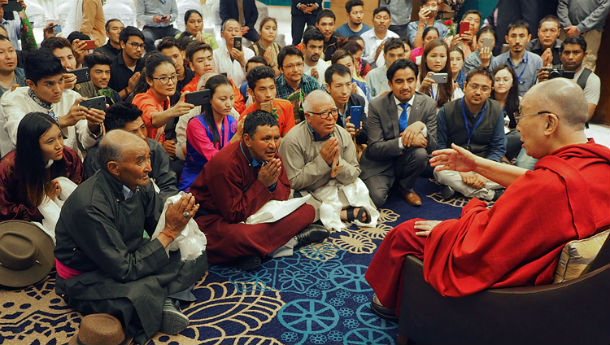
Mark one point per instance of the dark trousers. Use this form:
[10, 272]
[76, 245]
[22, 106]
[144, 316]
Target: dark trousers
[298, 26]
[151, 34]
[405, 171]
[400, 30]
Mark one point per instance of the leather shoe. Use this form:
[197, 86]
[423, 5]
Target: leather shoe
[311, 234]
[413, 199]
[172, 320]
[378, 309]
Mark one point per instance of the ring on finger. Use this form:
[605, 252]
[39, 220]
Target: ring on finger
[186, 214]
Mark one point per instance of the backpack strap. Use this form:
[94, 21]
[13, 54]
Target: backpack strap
[582, 80]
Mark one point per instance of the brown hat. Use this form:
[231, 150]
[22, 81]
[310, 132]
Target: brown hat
[99, 329]
[26, 253]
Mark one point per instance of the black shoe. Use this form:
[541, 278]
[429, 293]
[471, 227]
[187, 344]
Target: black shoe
[311, 234]
[497, 194]
[447, 192]
[381, 311]
[173, 321]
[248, 263]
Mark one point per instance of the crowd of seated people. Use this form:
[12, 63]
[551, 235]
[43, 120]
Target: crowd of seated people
[209, 131]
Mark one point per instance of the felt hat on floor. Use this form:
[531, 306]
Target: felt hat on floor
[26, 253]
[100, 329]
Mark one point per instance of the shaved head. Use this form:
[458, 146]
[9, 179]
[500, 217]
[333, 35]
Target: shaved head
[115, 143]
[563, 97]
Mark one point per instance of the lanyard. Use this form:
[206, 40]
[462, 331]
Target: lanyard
[510, 62]
[432, 92]
[470, 132]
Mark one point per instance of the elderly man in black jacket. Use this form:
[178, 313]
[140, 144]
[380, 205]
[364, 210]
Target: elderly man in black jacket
[105, 263]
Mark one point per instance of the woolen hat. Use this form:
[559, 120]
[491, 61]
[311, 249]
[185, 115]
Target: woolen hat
[26, 253]
[99, 329]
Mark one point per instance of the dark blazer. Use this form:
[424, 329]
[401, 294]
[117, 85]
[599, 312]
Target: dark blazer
[228, 10]
[384, 133]
[296, 12]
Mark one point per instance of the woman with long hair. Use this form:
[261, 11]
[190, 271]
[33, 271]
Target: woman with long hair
[193, 24]
[28, 174]
[209, 132]
[456, 62]
[506, 92]
[435, 59]
[156, 85]
[266, 45]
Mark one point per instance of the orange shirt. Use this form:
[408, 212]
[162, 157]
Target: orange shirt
[284, 112]
[238, 100]
[149, 104]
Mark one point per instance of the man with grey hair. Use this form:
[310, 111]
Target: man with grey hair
[563, 199]
[320, 159]
[105, 264]
[230, 59]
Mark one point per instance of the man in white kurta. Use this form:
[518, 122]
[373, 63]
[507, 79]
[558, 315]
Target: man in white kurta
[228, 58]
[45, 93]
[320, 159]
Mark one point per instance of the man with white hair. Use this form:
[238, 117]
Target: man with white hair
[518, 240]
[230, 59]
[320, 159]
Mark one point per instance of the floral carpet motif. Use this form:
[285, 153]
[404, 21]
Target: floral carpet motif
[317, 296]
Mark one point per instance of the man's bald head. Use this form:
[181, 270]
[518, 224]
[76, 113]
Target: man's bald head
[315, 99]
[562, 97]
[114, 144]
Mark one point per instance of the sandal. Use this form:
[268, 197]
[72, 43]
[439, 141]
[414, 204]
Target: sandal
[361, 212]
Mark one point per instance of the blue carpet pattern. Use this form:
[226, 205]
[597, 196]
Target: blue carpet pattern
[317, 296]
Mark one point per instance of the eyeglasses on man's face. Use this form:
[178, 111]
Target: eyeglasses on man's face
[519, 116]
[325, 115]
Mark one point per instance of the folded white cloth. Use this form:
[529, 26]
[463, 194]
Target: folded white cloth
[334, 197]
[50, 209]
[191, 241]
[275, 210]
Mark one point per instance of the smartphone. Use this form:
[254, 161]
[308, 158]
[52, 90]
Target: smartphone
[12, 5]
[98, 102]
[464, 27]
[487, 42]
[440, 78]
[355, 112]
[198, 97]
[90, 44]
[57, 29]
[237, 43]
[82, 74]
[267, 106]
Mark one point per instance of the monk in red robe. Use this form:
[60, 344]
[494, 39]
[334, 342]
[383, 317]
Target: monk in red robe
[235, 184]
[516, 242]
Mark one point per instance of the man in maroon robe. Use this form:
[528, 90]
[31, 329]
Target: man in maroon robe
[516, 242]
[235, 184]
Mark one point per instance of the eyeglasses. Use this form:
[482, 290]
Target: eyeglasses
[518, 115]
[325, 115]
[165, 80]
[135, 45]
[483, 88]
[293, 66]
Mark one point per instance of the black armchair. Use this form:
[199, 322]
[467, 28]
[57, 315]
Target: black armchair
[573, 312]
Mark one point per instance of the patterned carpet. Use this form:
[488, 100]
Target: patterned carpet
[317, 296]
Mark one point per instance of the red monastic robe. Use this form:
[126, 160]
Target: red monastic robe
[227, 190]
[515, 243]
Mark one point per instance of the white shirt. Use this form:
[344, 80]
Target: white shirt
[321, 67]
[224, 64]
[16, 104]
[371, 42]
[592, 87]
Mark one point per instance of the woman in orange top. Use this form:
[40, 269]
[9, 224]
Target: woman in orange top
[157, 84]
